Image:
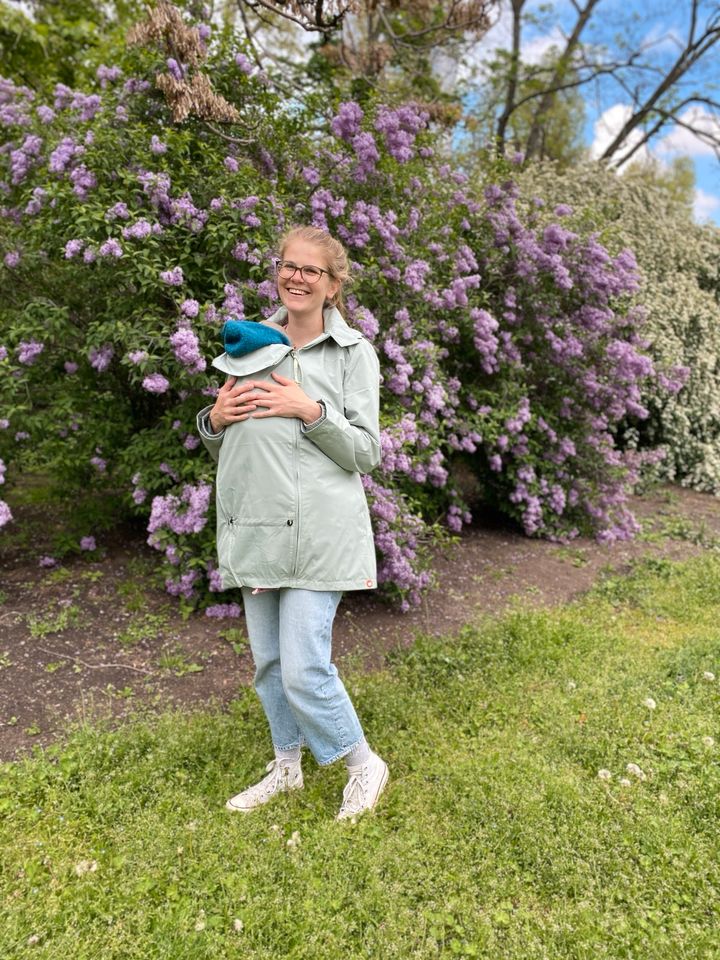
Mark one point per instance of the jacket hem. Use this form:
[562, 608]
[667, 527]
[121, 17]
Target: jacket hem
[362, 583]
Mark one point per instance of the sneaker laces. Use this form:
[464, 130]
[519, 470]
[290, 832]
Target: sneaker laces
[354, 792]
[269, 784]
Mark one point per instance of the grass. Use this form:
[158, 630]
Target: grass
[496, 838]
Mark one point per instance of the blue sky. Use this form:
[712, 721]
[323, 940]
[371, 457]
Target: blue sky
[659, 26]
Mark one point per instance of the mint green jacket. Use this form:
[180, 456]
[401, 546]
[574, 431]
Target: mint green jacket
[291, 508]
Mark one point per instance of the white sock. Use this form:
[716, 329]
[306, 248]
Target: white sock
[287, 756]
[358, 755]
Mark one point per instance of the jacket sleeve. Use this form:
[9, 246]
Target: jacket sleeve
[212, 441]
[351, 437]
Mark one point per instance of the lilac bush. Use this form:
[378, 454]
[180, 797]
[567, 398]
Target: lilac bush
[507, 346]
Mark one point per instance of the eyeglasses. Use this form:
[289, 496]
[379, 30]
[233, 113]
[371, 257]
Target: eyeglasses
[287, 270]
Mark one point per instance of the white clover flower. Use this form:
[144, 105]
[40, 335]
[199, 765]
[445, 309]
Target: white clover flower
[624, 782]
[635, 770]
[33, 939]
[294, 840]
[275, 828]
[237, 925]
[85, 866]
[708, 675]
[180, 851]
[192, 826]
[604, 775]
[708, 741]
[649, 703]
[571, 685]
[200, 922]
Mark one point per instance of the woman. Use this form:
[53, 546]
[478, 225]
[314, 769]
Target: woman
[292, 429]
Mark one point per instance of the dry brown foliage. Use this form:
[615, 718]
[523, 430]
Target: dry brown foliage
[193, 94]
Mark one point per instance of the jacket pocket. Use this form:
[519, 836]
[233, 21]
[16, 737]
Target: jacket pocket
[260, 547]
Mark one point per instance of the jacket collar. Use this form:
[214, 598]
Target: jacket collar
[264, 357]
[335, 326]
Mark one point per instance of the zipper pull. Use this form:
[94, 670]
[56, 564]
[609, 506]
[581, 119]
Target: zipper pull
[296, 368]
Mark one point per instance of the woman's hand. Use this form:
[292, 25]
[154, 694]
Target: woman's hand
[231, 404]
[284, 398]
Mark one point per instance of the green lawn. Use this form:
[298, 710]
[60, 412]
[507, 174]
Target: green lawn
[495, 837]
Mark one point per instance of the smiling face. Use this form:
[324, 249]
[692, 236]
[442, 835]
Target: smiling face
[306, 300]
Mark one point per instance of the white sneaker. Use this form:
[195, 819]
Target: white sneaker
[285, 775]
[365, 784]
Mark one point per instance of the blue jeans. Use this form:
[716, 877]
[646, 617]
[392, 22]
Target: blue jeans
[304, 699]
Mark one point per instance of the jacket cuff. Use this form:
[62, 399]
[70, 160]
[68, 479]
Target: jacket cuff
[306, 427]
[205, 427]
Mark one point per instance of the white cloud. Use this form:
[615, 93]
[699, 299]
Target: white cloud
[607, 127]
[706, 205]
[682, 140]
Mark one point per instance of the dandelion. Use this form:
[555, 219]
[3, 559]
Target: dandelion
[708, 741]
[649, 703]
[604, 774]
[708, 675]
[635, 770]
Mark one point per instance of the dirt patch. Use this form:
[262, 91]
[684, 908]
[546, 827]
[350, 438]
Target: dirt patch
[92, 639]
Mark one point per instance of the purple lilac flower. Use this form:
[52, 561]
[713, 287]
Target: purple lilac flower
[28, 351]
[100, 357]
[47, 562]
[22, 435]
[155, 383]
[215, 583]
[190, 308]
[173, 278]
[89, 255]
[182, 587]
[415, 273]
[107, 74]
[191, 442]
[73, 247]
[4, 424]
[346, 123]
[118, 212]
[156, 145]
[45, 113]
[243, 63]
[231, 164]
[88, 543]
[137, 356]
[223, 610]
[12, 259]
[111, 248]
[184, 514]
[70, 367]
[99, 464]
[138, 231]
[186, 348]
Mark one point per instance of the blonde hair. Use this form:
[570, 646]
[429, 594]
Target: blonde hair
[335, 254]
